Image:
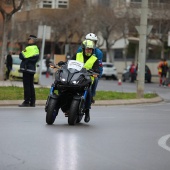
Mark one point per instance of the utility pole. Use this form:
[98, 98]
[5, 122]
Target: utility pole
[42, 52]
[142, 49]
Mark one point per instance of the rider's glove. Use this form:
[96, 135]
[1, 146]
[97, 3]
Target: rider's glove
[60, 63]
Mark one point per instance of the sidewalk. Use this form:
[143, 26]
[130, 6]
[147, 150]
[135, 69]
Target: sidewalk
[97, 103]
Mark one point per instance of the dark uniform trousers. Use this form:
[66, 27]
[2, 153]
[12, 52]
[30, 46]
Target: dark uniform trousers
[29, 91]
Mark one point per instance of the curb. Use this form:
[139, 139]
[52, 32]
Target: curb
[97, 103]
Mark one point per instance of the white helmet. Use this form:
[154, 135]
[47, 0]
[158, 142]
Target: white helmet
[91, 36]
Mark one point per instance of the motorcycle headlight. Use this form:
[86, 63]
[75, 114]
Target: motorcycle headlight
[75, 82]
[63, 79]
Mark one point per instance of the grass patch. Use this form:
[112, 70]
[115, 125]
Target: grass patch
[17, 93]
[110, 95]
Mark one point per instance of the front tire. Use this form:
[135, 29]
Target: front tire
[80, 111]
[52, 112]
[73, 113]
[79, 119]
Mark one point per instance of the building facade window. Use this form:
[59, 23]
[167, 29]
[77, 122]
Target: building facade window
[164, 1]
[104, 2]
[62, 3]
[118, 53]
[136, 0]
[155, 1]
[47, 4]
[54, 4]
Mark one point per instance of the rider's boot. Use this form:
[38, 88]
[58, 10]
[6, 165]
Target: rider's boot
[87, 116]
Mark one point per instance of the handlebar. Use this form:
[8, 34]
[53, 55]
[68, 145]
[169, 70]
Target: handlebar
[92, 73]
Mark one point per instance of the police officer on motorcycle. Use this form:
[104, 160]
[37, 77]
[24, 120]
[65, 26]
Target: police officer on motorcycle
[90, 61]
[99, 55]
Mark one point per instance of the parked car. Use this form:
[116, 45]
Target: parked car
[15, 74]
[126, 74]
[109, 71]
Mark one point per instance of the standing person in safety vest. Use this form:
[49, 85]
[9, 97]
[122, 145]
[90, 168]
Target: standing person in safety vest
[162, 70]
[159, 67]
[90, 62]
[29, 57]
[99, 55]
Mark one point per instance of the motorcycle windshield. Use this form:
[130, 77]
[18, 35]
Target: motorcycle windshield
[74, 66]
[76, 76]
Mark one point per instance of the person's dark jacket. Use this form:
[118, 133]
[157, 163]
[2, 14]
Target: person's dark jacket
[164, 67]
[47, 62]
[9, 61]
[28, 64]
[95, 65]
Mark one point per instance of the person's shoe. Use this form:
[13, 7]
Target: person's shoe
[24, 105]
[87, 116]
[32, 104]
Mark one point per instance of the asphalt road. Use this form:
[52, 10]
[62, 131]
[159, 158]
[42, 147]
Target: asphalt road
[134, 137]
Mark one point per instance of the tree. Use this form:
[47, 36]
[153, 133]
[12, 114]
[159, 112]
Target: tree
[15, 6]
[110, 25]
[68, 23]
[161, 23]
[64, 23]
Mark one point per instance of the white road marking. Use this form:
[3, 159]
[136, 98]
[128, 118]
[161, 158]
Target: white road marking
[162, 142]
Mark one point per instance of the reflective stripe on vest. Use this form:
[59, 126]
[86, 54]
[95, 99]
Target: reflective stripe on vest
[30, 51]
[89, 63]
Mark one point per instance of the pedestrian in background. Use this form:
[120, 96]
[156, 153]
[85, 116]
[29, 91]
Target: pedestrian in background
[47, 62]
[68, 56]
[9, 63]
[29, 57]
[162, 71]
[132, 71]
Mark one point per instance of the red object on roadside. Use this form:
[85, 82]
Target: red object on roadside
[119, 82]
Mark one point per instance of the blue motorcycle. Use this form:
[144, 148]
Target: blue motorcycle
[68, 92]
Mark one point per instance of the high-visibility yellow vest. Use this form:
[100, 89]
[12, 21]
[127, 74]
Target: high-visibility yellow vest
[30, 51]
[89, 63]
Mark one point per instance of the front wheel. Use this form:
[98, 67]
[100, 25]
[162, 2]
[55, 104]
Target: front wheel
[79, 119]
[73, 113]
[80, 111]
[52, 112]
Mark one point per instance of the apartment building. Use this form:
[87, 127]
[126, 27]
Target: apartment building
[33, 15]
[158, 15]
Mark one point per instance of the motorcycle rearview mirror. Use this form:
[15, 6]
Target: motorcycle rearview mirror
[52, 65]
[60, 63]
